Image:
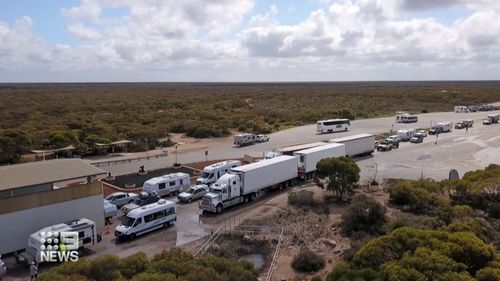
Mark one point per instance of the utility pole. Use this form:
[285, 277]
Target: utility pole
[147, 147]
[175, 155]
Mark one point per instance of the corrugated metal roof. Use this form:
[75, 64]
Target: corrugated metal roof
[34, 173]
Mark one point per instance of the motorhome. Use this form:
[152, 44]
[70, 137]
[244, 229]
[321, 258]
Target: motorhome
[213, 172]
[146, 219]
[493, 118]
[460, 109]
[168, 185]
[38, 241]
[333, 125]
[245, 139]
[406, 134]
[441, 127]
[399, 116]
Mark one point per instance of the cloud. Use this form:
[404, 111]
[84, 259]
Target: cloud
[82, 32]
[225, 39]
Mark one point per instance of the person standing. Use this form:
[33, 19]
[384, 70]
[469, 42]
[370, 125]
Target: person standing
[34, 271]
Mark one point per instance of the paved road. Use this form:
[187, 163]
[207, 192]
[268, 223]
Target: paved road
[305, 134]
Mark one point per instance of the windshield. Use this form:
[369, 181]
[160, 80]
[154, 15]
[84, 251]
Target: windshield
[109, 197]
[190, 191]
[217, 191]
[128, 221]
[205, 175]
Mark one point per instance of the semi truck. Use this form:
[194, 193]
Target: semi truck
[290, 150]
[243, 184]
[309, 158]
[357, 145]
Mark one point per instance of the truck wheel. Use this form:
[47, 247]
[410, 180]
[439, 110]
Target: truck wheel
[190, 200]
[245, 199]
[252, 197]
[219, 209]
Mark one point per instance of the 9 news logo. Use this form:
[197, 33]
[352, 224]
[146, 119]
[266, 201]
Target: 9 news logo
[59, 246]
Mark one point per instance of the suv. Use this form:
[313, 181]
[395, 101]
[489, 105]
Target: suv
[394, 140]
[193, 193]
[417, 138]
[384, 145]
[423, 132]
[262, 138]
[144, 198]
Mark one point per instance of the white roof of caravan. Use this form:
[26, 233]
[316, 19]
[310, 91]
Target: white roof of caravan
[348, 138]
[444, 123]
[223, 163]
[162, 203]
[319, 148]
[301, 146]
[262, 163]
[172, 176]
[66, 226]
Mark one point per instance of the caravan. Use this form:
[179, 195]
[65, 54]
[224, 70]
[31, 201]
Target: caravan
[37, 242]
[171, 184]
[460, 109]
[146, 218]
[215, 171]
[406, 134]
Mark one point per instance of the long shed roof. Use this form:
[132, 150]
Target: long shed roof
[42, 172]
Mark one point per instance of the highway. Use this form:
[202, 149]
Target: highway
[454, 150]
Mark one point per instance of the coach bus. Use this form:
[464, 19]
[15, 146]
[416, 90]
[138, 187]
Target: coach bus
[333, 125]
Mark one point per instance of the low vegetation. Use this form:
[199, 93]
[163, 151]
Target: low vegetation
[364, 216]
[174, 265]
[308, 261]
[43, 116]
[341, 175]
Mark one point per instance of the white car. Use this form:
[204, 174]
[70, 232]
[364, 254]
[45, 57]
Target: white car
[262, 138]
[121, 198]
[422, 132]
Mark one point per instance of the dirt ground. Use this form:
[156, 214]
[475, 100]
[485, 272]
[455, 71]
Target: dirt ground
[187, 144]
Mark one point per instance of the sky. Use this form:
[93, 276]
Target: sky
[248, 40]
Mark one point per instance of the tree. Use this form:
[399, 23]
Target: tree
[364, 214]
[343, 272]
[342, 174]
[13, 143]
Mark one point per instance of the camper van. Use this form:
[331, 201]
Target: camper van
[215, 171]
[168, 185]
[406, 134]
[245, 139]
[87, 234]
[146, 218]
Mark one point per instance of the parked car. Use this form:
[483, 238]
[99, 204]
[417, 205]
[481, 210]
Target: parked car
[193, 193]
[3, 268]
[262, 138]
[417, 138]
[121, 198]
[487, 122]
[384, 145]
[144, 198]
[394, 137]
[110, 209]
[394, 141]
[423, 132]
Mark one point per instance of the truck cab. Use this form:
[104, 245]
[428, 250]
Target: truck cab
[227, 188]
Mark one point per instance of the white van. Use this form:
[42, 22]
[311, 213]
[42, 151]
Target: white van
[215, 171]
[171, 184]
[146, 218]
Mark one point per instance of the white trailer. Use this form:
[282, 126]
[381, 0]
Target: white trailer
[444, 127]
[309, 158]
[289, 150]
[39, 241]
[461, 109]
[406, 134]
[245, 139]
[357, 145]
[244, 183]
[168, 185]
[215, 171]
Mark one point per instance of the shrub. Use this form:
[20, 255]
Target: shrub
[308, 261]
[342, 272]
[301, 198]
[316, 278]
[494, 210]
[364, 214]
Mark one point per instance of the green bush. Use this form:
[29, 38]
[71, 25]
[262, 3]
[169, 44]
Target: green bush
[308, 261]
[343, 272]
[316, 278]
[494, 210]
[364, 214]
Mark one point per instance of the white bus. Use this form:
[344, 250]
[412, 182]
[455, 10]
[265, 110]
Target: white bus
[408, 118]
[333, 125]
[146, 218]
